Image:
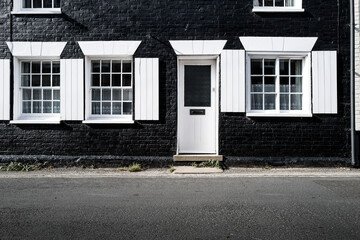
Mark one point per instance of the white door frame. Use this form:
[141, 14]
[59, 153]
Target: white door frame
[195, 59]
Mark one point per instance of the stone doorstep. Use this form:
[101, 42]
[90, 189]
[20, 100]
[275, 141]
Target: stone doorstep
[197, 158]
[195, 170]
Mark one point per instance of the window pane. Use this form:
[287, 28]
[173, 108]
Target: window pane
[257, 3]
[56, 107]
[37, 3]
[296, 102]
[256, 101]
[256, 84]
[284, 84]
[269, 84]
[25, 81]
[56, 94]
[116, 95]
[47, 93]
[37, 107]
[106, 108]
[197, 86]
[105, 80]
[95, 108]
[106, 94]
[26, 3]
[270, 101]
[47, 3]
[26, 94]
[95, 94]
[37, 94]
[284, 67]
[56, 67]
[116, 108]
[126, 80]
[296, 67]
[128, 95]
[127, 66]
[116, 80]
[56, 81]
[26, 107]
[95, 66]
[289, 3]
[47, 107]
[116, 66]
[36, 67]
[279, 3]
[95, 80]
[36, 80]
[25, 67]
[105, 66]
[296, 84]
[46, 80]
[269, 66]
[284, 101]
[256, 67]
[127, 108]
[46, 67]
[268, 3]
[56, 3]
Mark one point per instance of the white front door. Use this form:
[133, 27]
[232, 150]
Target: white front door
[197, 107]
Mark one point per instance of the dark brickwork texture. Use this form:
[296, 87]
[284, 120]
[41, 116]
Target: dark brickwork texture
[157, 21]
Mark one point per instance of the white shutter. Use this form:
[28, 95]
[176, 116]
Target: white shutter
[146, 89]
[72, 89]
[324, 72]
[233, 81]
[4, 89]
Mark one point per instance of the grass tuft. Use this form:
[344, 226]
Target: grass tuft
[135, 168]
[172, 169]
[211, 163]
[15, 166]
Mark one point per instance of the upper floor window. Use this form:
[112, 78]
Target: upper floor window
[41, 4]
[278, 6]
[36, 7]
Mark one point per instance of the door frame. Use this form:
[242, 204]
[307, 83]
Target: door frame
[194, 59]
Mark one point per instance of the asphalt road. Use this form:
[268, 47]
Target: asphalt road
[180, 208]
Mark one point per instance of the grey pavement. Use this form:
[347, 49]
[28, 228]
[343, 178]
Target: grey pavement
[239, 204]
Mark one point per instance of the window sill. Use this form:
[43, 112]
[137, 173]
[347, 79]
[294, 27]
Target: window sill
[279, 115]
[108, 121]
[37, 11]
[36, 121]
[277, 9]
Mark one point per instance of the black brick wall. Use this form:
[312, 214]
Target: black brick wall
[157, 21]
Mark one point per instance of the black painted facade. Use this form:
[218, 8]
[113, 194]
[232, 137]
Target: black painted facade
[321, 137]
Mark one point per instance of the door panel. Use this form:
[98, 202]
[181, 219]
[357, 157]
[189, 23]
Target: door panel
[197, 115]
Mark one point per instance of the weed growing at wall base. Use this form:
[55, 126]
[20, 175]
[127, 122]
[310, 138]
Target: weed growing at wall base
[14, 166]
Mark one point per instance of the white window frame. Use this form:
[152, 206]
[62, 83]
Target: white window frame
[296, 8]
[19, 117]
[111, 119]
[306, 104]
[19, 9]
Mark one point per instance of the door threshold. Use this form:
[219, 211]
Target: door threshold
[197, 158]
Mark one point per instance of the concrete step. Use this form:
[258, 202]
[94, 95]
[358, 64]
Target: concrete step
[195, 170]
[197, 158]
